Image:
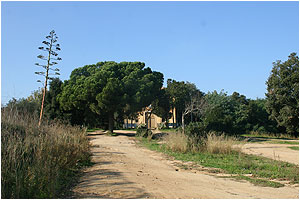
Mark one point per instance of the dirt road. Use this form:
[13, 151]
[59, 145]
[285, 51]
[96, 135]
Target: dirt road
[124, 170]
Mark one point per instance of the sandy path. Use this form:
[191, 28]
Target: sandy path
[124, 170]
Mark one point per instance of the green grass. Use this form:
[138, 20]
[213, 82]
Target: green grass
[294, 148]
[236, 163]
[129, 129]
[93, 130]
[260, 182]
[269, 136]
[283, 142]
[168, 130]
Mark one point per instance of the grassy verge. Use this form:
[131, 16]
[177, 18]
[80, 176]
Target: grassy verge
[262, 170]
[40, 162]
[129, 129]
[294, 148]
[270, 136]
[283, 142]
[260, 182]
[93, 130]
[168, 130]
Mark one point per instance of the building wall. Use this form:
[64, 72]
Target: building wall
[152, 123]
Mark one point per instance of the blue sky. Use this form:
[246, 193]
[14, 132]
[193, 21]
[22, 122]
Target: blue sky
[216, 45]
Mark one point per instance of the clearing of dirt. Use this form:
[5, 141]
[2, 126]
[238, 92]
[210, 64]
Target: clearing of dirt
[274, 151]
[124, 170]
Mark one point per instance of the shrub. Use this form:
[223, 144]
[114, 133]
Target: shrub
[196, 138]
[196, 132]
[220, 144]
[142, 131]
[162, 125]
[39, 162]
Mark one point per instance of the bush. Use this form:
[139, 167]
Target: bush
[142, 131]
[220, 144]
[162, 125]
[196, 137]
[196, 133]
[39, 162]
[211, 143]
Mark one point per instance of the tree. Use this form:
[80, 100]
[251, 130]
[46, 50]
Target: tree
[110, 89]
[180, 94]
[283, 94]
[78, 103]
[196, 105]
[52, 107]
[219, 114]
[258, 118]
[240, 113]
[51, 48]
[161, 106]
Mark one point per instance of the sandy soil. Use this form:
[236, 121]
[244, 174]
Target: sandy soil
[274, 151]
[124, 170]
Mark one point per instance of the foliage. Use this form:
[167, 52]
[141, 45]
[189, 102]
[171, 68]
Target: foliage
[235, 114]
[108, 89]
[39, 162]
[142, 131]
[283, 94]
[76, 102]
[30, 105]
[161, 106]
[258, 118]
[219, 115]
[52, 107]
[196, 130]
[180, 93]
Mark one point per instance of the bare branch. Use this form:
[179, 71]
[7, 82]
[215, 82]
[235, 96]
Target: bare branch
[196, 105]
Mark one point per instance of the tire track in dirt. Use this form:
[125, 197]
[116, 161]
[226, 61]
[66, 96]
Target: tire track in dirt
[123, 170]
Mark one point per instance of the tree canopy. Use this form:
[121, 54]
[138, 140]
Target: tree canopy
[180, 94]
[107, 89]
[283, 94]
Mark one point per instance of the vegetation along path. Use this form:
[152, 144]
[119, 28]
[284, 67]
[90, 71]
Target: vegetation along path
[123, 169]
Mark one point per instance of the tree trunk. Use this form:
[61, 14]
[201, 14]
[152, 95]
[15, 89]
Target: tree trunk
[167, 122]
[182, 121]
[111, 122]
[173, 116]
[150, 121]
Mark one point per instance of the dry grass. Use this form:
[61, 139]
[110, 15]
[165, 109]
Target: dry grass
[39, 162]
[213, 143]
[176, 142]
[220, 144]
